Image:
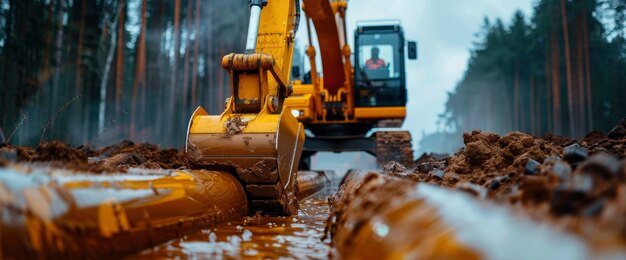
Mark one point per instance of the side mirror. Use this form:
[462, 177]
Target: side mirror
[295, 72]
[412, 50]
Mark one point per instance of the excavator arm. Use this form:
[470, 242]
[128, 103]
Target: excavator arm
[254, 139]
[333, 95]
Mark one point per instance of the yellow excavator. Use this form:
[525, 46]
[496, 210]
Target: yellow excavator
[260, 136]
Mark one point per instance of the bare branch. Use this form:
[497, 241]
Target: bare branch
[53, 118]
[17, 126]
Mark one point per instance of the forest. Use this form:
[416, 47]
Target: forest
[559, 71]
[96, 71]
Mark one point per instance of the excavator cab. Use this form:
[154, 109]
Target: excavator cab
[380, 77]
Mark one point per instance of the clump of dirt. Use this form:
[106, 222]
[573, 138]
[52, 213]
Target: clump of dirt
[615, 146]
[58, 151]
[557, 140]
[194, 153]
[488, 152]
[234, 125]
[115, 158]
[394, 167]
[128, 154]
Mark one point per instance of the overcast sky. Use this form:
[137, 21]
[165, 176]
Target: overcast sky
[445, 30]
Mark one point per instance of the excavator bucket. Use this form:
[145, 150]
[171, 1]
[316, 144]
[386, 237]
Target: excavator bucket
[254, 138]
[261, 150]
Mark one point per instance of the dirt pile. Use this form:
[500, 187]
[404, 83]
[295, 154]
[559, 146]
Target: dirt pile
[577, 182]
[115, 158]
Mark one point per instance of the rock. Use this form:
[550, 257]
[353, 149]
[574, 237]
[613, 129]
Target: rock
[496, 182]
[532, 167]
[438, 174]
[619, 131]
[425, 167]
[562, 170]
[575, 153]
[603, 165]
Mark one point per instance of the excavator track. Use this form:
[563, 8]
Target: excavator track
[393, 146]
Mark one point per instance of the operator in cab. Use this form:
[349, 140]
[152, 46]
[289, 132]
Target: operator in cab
[375, 63]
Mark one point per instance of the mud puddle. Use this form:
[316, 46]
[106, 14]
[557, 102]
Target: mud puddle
[255, 237]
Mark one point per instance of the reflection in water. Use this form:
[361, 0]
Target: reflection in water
[256, 237]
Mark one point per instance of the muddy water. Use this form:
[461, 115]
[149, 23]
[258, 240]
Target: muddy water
[256, 237]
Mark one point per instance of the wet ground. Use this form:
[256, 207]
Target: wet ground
[574, 187]
[256, 237]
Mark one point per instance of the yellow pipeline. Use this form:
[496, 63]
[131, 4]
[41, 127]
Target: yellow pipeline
[56, 213]
[313, 182]
[376, 216]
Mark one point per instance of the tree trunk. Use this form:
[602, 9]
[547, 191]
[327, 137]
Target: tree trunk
[516, 103]
[79, 53]
[548, 106]
[556, 88]
[220, 84]
[211, 91]
[48, 40]
[79, 64]
[140, 70]
[568, 71]
[587, 71]
[532, 104]
[194, 79]
[188, 19]
[156, 82]
[174, 81]
[581, 78]
[119, 68]
[58, 55]
[105, 75]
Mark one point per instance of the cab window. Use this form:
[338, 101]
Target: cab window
[377, 56]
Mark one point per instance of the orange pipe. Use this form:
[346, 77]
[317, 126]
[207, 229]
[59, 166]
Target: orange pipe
[375, 216]
[311, 183]
[55, 213]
